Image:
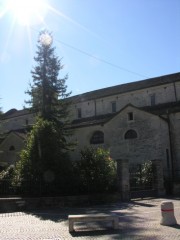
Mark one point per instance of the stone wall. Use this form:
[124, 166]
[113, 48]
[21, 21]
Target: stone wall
[18, 122]
[27, 204]
[175, 138]
[10, 149]
[151, 142]
[177, 87]
[99, 106]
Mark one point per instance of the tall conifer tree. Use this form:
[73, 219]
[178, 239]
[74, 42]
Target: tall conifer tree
[46, 151]
[48, 90]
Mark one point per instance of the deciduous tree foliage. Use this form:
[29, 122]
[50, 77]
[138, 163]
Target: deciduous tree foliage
[96, 171]
[44, 160]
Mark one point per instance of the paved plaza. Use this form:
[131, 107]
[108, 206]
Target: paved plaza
[137, 220]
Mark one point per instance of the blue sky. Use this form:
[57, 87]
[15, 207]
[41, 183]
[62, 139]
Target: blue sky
[102, 42]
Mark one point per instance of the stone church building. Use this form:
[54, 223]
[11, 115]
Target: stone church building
[137, 122]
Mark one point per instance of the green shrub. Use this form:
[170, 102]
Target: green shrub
[95, 172]
[44, 163]
[8, 173]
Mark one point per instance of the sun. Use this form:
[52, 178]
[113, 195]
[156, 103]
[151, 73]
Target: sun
[27, 12]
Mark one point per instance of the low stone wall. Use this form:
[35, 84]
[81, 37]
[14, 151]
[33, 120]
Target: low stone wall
[27, 204]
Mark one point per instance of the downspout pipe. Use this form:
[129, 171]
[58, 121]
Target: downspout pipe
[170, 143]
[95, 110]
[175, 93]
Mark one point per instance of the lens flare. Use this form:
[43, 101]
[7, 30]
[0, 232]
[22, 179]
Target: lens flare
[28, 12]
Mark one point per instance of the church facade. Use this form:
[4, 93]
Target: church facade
[137, 121]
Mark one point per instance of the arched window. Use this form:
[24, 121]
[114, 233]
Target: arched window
[97, 138]
[130, 134]
[11, 148]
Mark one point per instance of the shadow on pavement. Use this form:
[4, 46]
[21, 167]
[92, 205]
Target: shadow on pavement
[55, 217]
[94, 233]
[130, 226]
[142, 204]
[177, 226]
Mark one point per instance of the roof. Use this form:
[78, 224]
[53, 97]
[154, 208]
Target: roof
[118, 89]
[128, 87]
[22, 133]
[15, 113]
[94, 120]
[164, 108]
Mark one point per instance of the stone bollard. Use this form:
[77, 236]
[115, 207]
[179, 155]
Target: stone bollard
[167, 213]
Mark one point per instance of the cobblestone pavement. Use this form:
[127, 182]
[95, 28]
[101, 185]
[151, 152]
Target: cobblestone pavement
[137, 220]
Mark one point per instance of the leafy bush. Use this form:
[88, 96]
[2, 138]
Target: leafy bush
[147, 173]
[44, 161]
[142, 175]
[8, 173]
[95, 172]
[7, 185]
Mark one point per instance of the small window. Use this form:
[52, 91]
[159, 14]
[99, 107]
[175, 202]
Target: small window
[130, 116]
[130, 134]
[79, 113]
[26, 121]
[11, 148]
[113, 105]
[153, 99]
[97, 138]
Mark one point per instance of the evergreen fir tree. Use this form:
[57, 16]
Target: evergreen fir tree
[0, 110]
[47, 147]
[48, 90]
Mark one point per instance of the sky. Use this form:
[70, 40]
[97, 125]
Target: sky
[102, 43]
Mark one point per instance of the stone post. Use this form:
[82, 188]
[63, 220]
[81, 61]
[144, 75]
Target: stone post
[167, 213]
[158, 177]
[123, 179]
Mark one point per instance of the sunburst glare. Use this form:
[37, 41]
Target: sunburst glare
[31, 14]
[27, 12]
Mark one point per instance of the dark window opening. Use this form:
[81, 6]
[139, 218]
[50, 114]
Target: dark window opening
[130, 116]
[79, 113]
[130, 134]
[113, 105]
[153, 100]
[97, 138]
[12, 148]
